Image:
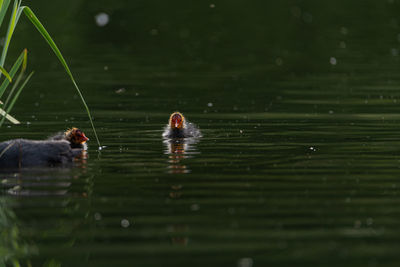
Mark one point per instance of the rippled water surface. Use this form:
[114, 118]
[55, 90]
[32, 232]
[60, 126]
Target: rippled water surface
[299, 160]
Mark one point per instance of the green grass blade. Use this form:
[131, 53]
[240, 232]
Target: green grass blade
[2, 70]
[19, 92]
[11, 26]
[11, 98]
[15, 97]
[35, 21]
[8, 117]
[3, 9]
[13, 71]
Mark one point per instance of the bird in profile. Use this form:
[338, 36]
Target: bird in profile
[59, 149]
[179, 127]
[74, 136]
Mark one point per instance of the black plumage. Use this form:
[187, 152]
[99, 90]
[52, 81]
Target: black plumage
[27, 153]
[59, 149]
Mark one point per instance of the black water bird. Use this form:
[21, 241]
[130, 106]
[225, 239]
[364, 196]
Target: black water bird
[59, 149]
[179, 127]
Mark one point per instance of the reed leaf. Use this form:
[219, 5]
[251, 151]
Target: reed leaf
[11, 98]
[11, 26]
[3, 9]
[15, 15]
[3, 70]
[35, 21]
[17, 93]
[9, 117]
[13, 71]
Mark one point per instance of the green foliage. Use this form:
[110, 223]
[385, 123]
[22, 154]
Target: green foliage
[3, 70]
[52, 263]
[13, 71]
[15, 91]
[12, 249]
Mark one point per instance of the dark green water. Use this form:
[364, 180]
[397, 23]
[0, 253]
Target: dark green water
[299, 163]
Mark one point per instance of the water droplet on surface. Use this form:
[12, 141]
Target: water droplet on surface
[120, 91]
[97, 216]
[102, 19]
[194, 207]
[344, 30]
[124, 223]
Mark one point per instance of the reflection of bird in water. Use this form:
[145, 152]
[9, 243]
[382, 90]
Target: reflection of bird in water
[60, 149]
[178, 234]
[179, 149]
[178, 127]
[180, 136]
[41, 182]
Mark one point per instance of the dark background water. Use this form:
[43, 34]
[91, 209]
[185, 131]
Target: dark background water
[298, 165]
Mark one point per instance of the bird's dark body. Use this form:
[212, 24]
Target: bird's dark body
[18, 153]
[176, 133]
[188, 131]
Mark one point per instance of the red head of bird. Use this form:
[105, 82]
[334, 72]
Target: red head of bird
[177, 121]
[76, 136]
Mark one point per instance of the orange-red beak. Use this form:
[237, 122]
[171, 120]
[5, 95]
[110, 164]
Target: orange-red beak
[83, 138]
